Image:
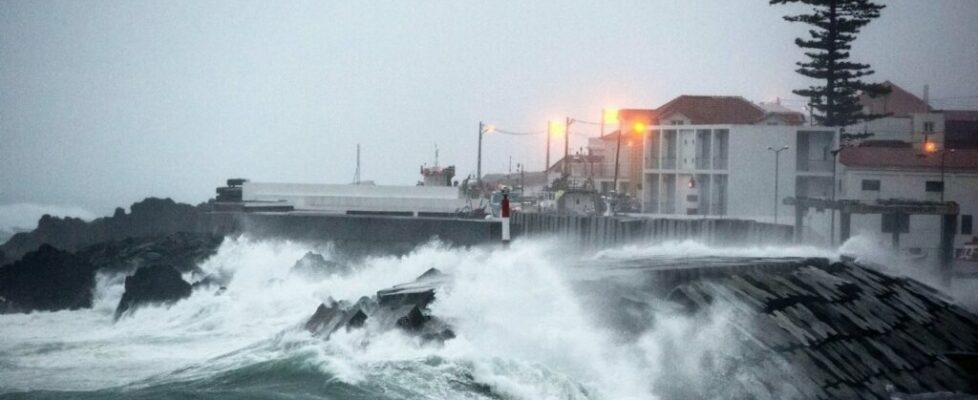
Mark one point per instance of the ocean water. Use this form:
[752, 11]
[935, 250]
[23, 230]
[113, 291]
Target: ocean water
[526, 329]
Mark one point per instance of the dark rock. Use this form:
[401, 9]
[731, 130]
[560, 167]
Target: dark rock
[182, 250]
[47, 279]
[331, 316]
[209, 281]
[431, 274]
[150, 217]
[421, 292]
[154, 284]
[356, 319]
[314, 265]
[402, 307]
[412, 320]
[440, 336]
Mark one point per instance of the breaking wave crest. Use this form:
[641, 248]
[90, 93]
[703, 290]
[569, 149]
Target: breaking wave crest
[525, 325]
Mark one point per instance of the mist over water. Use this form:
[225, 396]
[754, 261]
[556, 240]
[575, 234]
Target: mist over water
[526, 325]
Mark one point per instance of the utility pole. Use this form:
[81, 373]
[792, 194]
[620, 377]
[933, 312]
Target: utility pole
[483, 129]
[614, 184]
[356, 175]
[835, 163]
[478, 163]
[777, 164]
[567, 146]
[549, 132]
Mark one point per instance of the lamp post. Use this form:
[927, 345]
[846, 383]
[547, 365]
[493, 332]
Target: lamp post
[567, 145]
[550, 131]
[520, 167]
[777, 164]
[930, 147]
[943, 153]
[835, 157]
[483, 129]
[638, 128]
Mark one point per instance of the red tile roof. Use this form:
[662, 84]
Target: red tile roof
[907, 158]
[712, 110]
[899, 102]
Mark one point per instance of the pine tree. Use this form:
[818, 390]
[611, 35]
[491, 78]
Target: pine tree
[835, 24]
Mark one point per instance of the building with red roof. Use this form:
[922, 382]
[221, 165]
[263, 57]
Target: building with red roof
[871, 173]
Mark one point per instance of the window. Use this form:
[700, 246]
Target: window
[871, 184]
[896, 222]
[934, 186]
[965, 224]
[928, 126]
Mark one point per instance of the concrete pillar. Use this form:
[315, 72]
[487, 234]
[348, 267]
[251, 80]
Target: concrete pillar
[896, 231]
[799, 210]
[845, 226]
[948, 227]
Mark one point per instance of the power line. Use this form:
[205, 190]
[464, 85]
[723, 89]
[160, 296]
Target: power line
[506, 132]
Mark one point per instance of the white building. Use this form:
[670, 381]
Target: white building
[354, 199]
[708, 155]
[873, 173]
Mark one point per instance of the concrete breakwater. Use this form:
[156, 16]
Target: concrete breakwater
[595, 231]
[356, 233]
[401, 234]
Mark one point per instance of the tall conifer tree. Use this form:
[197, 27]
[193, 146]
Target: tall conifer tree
[835, 24]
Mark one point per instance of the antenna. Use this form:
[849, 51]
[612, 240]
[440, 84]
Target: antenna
[356, 175]
[927, 96]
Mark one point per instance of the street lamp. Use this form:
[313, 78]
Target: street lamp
[483, 129]
[638, 128]
[777, 164]
[567, 145]
[553, 127]
[930, 147]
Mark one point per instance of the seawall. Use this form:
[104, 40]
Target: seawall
[373, 233]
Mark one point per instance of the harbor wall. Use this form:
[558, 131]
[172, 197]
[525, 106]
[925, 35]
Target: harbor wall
[598, 232]
[377, 233]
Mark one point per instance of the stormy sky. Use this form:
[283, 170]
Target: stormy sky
[104, 103]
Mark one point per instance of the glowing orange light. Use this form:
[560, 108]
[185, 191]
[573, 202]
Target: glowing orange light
[639, 127]
[556, 128]
[610, 115]
[490, 128]
[930, 147]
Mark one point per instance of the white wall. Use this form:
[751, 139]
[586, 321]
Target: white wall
[342, 198]
[961, 187]
[750, 186]
[889, 128]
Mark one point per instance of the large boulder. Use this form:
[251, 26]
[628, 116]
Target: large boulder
[182, 250]
[314, 265]
[150, 217]
[403, 307]
[152, 285]
[46, 279]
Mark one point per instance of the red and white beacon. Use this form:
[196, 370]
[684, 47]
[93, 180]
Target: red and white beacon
[504, 213]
